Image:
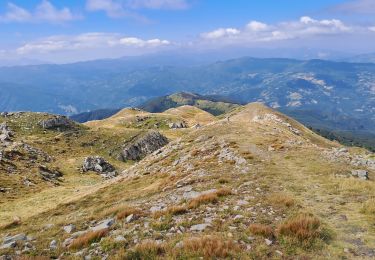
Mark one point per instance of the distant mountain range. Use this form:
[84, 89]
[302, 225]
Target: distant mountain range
[323, 94]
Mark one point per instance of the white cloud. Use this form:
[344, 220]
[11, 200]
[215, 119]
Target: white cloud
[44, 12]
[256, 31]
[256, 26]
[158, 4]
[88, 41]
[372, 28]
[221, 33]
[357, 6]
[112, 8]
[120, 8]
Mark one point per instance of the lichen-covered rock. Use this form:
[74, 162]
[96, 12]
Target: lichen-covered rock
[143, 145]
[5, 133]
[49, 174]
[177, 125]
[56, 122]
[99, 165]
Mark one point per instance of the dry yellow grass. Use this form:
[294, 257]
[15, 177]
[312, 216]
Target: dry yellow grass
[223, 192]
[203, 199]
[127, 212]
[261, 230]
[212, 197]
[303, 229]
[281, 200]
[88, 238]
[147, 250]
[210, 247]
[174, 210]
[369, 207]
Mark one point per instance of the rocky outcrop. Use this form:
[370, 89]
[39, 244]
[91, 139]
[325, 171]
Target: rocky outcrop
[99, 165]
[5, 133]
[177, 125]
[57, 122]
[361, 174]
[142, 146]
[51, 175]
[357, 160]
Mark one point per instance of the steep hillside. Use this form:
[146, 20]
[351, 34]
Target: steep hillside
[254, 184]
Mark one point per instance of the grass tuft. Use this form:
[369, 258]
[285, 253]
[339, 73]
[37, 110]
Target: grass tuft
[147, 250]
[212, 197]
[261, 230]
[282, 200]
[209, 247]
[303, 230]
[368, 207]
[88, 238]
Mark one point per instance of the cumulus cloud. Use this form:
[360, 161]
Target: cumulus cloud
[357, 6]
[88, 41]
[120, 8]
[44, 12]
[256, 31]
[221, 33]
[159, 4]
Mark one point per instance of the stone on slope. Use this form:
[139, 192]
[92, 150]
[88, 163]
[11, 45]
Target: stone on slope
[361, 174]
[99, 165]
[56, 122]
[10, 242]
[199, 227]
[5, 133]
[69, 228]
[104, 224]
[142, 146]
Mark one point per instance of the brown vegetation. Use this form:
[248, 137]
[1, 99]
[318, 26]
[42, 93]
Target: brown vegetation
[261, 230]
[88, 238]
[210, 247]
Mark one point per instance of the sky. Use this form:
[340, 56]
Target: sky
[61, 31]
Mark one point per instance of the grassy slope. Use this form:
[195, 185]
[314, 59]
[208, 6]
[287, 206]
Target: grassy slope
[296, 171]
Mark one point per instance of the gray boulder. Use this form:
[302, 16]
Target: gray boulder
[361, 174]
[142, 146]
[5, 133]
[98, 165]
[177, 125]
[104, 224]
[49, 174]
[56, 122]
[11, 242]
[69, 228]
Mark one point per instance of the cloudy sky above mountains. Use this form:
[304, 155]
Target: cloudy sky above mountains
[72, 30]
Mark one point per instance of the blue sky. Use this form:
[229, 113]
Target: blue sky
[71, 30]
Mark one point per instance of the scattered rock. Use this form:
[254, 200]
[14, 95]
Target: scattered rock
[268, 242]
[177, 125]
[5, 133]
[119, 239]
[49, 174]
[57, 122]
[99, 165]
[130, 218]
[69, 228]
[361, 174]
[11, 242]
[107, 223]
[143, 145]
[53, 245]
[199, 227]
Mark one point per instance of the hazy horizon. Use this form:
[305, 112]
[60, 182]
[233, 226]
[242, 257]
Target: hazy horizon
[41, 31]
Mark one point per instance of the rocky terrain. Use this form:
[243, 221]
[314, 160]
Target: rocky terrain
[251, 184]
